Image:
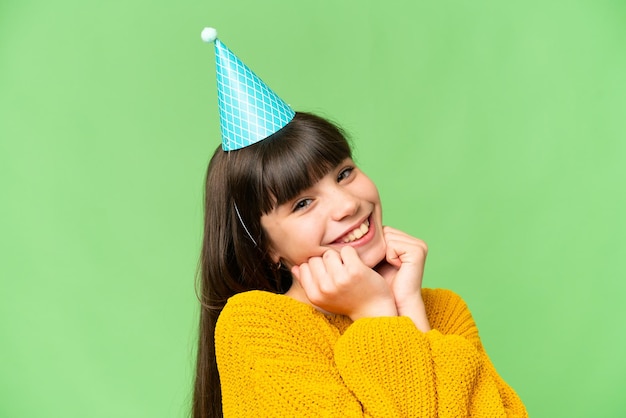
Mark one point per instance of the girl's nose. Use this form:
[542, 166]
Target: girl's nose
[345, 205]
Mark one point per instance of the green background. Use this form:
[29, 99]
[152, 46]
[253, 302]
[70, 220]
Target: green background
[494, 130]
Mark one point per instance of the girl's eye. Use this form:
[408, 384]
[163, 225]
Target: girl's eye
[302, 204]
[345, 173]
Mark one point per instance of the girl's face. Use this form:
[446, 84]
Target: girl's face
[343, 208]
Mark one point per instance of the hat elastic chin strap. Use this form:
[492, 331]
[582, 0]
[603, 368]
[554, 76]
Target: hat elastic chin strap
[243, 224]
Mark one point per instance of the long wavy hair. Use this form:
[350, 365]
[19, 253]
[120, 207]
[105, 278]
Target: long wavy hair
[241, 186]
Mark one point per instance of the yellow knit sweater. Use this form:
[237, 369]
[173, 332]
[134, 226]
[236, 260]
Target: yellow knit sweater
[278, 357]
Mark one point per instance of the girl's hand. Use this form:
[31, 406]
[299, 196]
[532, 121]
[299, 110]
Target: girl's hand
[340, 283]
[403, 270]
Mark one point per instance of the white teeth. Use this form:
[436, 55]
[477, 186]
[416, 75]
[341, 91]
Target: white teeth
[358, 232]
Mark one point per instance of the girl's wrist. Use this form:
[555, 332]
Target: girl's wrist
[386, 308]
[414, 309]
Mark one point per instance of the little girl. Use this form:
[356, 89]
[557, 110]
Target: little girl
[310, 306]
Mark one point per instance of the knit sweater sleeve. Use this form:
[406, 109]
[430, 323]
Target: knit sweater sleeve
[442, 373]
[276, 359]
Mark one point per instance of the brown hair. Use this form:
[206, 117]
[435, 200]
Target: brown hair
[235, 253]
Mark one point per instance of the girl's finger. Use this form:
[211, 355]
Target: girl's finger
[399, 237]
[303, 274]
[399, 252]
[295, 271]
[350, 257]
[310, 283]
[332, 262]
[316, 266]
[392, 254]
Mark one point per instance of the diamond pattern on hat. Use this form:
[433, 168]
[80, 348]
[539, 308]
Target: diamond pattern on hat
[249, 110]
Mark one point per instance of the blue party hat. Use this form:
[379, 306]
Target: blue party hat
[249, 110]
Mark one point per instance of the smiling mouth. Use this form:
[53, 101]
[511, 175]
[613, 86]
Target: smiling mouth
[356, 233]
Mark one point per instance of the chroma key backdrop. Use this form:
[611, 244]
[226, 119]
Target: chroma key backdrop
[494, 130]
